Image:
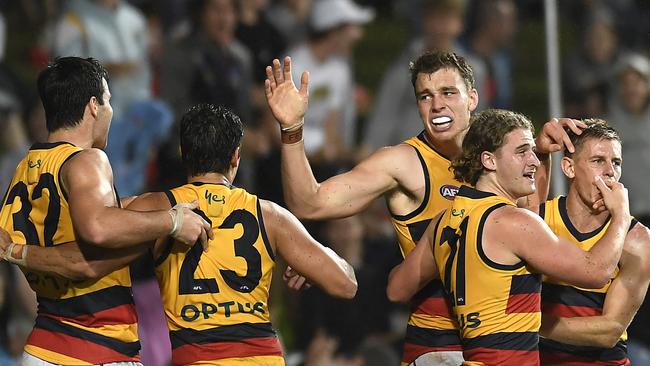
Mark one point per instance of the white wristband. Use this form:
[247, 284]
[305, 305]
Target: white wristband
[20, 259]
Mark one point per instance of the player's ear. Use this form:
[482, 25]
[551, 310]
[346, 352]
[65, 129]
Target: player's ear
[234, 161]
[568, 167]
[93, 106]
[488, 160]
[473, 99]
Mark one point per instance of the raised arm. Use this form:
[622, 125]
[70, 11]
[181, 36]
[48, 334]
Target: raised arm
[417, 269]
[88, 180]
[320, 265]
[532, 240]
[623, 299]
[339, 196]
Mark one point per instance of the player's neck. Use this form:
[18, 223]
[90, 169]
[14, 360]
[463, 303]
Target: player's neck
[489, 183]
[449, 149]
[582, 216]
[78, 136]
[216, 178]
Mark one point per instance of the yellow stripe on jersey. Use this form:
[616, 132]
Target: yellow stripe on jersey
[225, 288]
[497, 306]
[92, 321]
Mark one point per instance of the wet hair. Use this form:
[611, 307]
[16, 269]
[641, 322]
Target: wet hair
[487, 132]
[430, 62]
[65, 88]
[209, 137]
[596, 129]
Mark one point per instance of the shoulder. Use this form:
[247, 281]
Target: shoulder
[150, 202]
[88, 158]
[514, 220]
[398, 159]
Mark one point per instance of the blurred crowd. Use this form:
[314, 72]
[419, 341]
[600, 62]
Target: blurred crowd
[165, 56]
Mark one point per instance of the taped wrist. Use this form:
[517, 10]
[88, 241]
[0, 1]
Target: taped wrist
[16, 254]
[177, 219]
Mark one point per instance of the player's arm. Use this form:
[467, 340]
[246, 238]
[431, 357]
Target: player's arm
[320, 265]
[624, 297]
[553, 137]
[417, 269]
[88, 180]
[339, 196]
[529, 238]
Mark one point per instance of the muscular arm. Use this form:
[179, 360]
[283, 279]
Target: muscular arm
[342, 195]
[418, 268]
[529, 238]
[624, 297]
[320, 265]
[80, 262]
[98, 221]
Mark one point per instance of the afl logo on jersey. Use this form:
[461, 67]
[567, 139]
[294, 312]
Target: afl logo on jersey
[448, 191]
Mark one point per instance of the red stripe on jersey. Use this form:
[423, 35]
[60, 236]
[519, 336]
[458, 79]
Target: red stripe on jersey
[119, 315]
[191, 353]
[502, 357]
[78, 348]
[565, 359]
[567, 311]
[523, 303]
[433, 306]
[413, 351]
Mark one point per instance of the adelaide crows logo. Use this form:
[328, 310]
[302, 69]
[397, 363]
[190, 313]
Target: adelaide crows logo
[448, 191]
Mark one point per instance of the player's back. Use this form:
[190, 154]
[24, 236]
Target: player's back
[78, 323]
[497, 305]
[216, 302]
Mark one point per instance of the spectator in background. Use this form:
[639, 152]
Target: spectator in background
[493, 27]
[291, 18]
[629, 113]
[394, 118]
[590, 67]
[208, 65]
[335, 27]
[116, 33]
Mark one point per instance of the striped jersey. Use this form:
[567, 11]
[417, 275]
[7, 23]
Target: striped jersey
[78, 322]
[431, 326]
[563, 300]
[497, 306]
[216, 302]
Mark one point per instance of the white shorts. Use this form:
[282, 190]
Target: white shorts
[447, 358]
[29, 360]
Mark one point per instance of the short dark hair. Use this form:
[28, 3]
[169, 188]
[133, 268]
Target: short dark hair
[209, 136]
[487, 132]
[596, 129]
[430, 62]
[66, 86]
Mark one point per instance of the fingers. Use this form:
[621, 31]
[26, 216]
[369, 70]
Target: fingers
[601, 185]
[203, 238]
[287, 68]
[270, 79]
[277, 71]
[576, 126]
[267, 89]
[304, 84]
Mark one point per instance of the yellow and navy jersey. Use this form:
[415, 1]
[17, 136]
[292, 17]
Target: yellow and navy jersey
[563, 300]
[78, 322]
[431, 326]
[497, 306]
[216, 302]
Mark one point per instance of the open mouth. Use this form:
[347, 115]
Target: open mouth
[438, 121]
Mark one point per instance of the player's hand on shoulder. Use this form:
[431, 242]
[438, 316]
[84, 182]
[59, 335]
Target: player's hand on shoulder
[294, 280]
[188, 226]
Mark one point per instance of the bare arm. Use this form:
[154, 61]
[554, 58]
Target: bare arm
[623, 299]
[98, 221]
[530, 239]
[418, 268]
[320, 265]
[338, 197]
